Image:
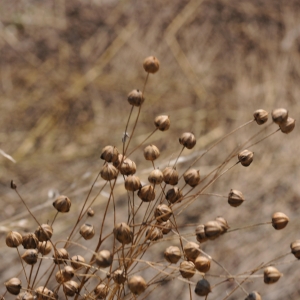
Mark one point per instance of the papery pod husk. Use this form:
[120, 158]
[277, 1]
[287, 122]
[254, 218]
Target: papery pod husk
[223, 223]
[76, 261]
[202, 263]
[62, 204]
[68, 273]
[162, 122]
[200, 233]
[60, 256]
[44, 232]
[135, 98]
[25, 296]
[90, 212]
[253, 296]
[123, 233]
[30, 241]
[119, 277]
[279, 115]
[13, 239]
[154, 234]
[191, 250]
[213, 230]
[30, 256]
[170, 176]
[287, 126]
[71, 288]
[235, 198]
[45, 247]
[128, 167]
[271, 275]
[192, 177]
[279, 220]
[43, 293]
[137, 285]
[132, 183]
[260, 116]
[174, 195]
[156, 177]
[295, 248]
[187, 269]
[162, 213]
[245, 157]
[172, 254]
[59, 277]
[202, 288]
[151, 153]
[147, 193]
[87, 231]
[188, 140]
[119, 160]
[101, 291]
[108, 172]
[104, 258]
[109, 154]
[151, 64]
[165, 227]
[13, 285]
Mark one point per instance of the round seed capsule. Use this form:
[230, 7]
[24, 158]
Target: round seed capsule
[13, 239]
[245, 157]
[174, 195]
[200, 233]
[30, 256]
[60, 256]
[62, 204]
[170, 176]
[279, 220]
[151, 153]
[271, 275]
[223, 223]
[235, 198]
[30, 241]
[253, 296]
[213, 230]
[192, 177]
[295, 248]
[287, 126]
[162, 122]
[108, 172]
[44, 247]
[202, 263]
[123, 233]
[71, 288]
[165, 227]
[151, 64]
[104, 258]
[13, 285]
[154, 234]
[90, 212]
[87, 231]
[77, 261]
[147, 193]
[191, 250]
[137, 285]
[187, 269]
[44, 232]
[172, 254]
[119, 277]
[128, 167]
[279, 115]
[156, 177]
[135, 98]
[24, 296]
[188, 140]
[132, 183]
[101, 291]
[260, 116]
[109, 154]
[202, 288]
[162, 213]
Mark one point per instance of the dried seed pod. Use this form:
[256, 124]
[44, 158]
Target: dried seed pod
[137, 285]
[260, 116]
[68, 273]
[191, 250]
[279, 115]
[71, 288]
[279, 220]
[213, 230]
[156, 177]
[41, 293]
[101, 291]
[235, 198]
[123, 233]
[162, 122]
[51, 295]
[287, 126]
[87, 231]
[187, 269]
[13, 239]
[295, 247]
[172, 254]
[25, 296]
[170, 176]
[77, 261]
[13, 186]
[271, 275]
[162, 213]
[192, 177]
[128, 167]
[147, 193]
[132, 183]
[188, 140]
[154, 234]
[245, 157]
[223, 223]
[62, 204]
[119, 277]
[253, 296]
[59, 277]
[13, 285]
[151, 64]
[108, 172]
[44, 247]
[90, 212]
[202, 287]
[135, 98]
[174, 195]
[109, 154]
[200, 233]
[30, 256]
[30, 241]
[151, 153]
[165, 227]
[202, 263]
[104, 258]
[60, 256]
[44, 232]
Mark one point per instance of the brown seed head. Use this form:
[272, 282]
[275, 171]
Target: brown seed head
[44, 247]
[90, 212]
[223, 223]
[200, 233]
[77, 261]
[192, 177]
[132, 183]
[151, 153]
[295, 248]
[123, 233]
[87, 231]
[44, 232]
[13, 185]
[235, 198]
[213, 230]
[25, 296]
[71, 288]
[245, 157]
[30, 256]
[13, 285]
[147, 193]
[260, 116]
[137, 285]
[109, 154]
[202, 288]
[188, 140]
[165, 227]
[30, 241]
[42, 293]
[60, 256]
[104, 258]
[271, 275]
[119, 276]
[279, 115]
[101, 291]
[162, 122]
[13, 239]
[279, 220]
[62, 204]
[174, 195]
[287, 126]
[120, 159]
[162, 213]
[135, 98]
[253, 296]
[156, 177]
[128, 167]
[191, 251]
[172, 254]
[154, 234]
[108, 172]
[202, 263]
[170, 176]
[151, 64]
[187, 269]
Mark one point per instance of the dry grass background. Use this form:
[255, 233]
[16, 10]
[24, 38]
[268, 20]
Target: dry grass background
[65, 71]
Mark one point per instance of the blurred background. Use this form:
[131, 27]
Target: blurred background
[66, 68]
